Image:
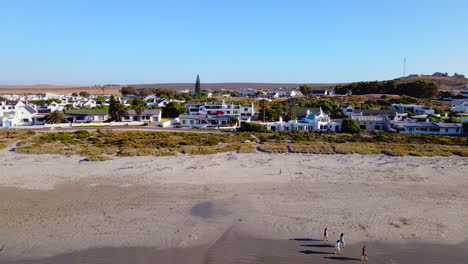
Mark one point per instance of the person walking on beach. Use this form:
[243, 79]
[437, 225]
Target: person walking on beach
[280, 171]
[364, 253]
[325, 234]
[342, 242]
[338, 247]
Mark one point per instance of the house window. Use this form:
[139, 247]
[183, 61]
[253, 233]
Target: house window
[362, 127]
[246, 109]
[191, 122]
[184, 122]
[446, 130]
[377, 127]
[25, 120]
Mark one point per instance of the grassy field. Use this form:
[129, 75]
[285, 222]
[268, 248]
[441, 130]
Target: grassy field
[103, 144]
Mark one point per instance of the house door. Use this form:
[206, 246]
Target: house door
[8, 123]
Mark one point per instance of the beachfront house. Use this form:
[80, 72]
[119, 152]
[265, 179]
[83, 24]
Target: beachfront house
[371, 123]
[391, 115]
[460, 107]
[17, 114]
[315, 120]
[148, 115]
[243, 112]
[86, 115]
[415, 109]
[429, 128]
[206, 121]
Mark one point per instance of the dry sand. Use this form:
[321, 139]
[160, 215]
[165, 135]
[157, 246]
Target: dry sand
[236, 207]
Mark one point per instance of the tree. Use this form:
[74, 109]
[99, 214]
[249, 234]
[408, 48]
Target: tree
[197, 86]
[349, 126]
[290, 114]
[306, 90]
[84, 94]
[263, 108]
[55, 117]
[173, 109]
[128, 90]
[139, 106]
[233, 121]
[252, 127]
[74, 94]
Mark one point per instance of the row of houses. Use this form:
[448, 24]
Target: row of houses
[21, 114]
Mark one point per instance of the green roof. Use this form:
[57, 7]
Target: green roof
[303, 110]
[87, 112]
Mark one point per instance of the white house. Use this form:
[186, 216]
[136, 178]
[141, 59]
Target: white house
[415, 109]
[314, 121]
[243, 112]
[371, 123]
[429, 128]
[460, 107]
[206, 121]
[86, 115]
[148, 115]
[18, 114]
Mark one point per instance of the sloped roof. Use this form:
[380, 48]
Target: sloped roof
[303, 110]
[87, 112]
[150, 112]
[30, 109]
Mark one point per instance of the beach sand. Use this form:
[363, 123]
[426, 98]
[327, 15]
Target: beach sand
[232, 208]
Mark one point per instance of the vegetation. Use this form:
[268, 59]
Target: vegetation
[116, 109]
[128, 90]
[197, 86]
[138, 143]
[54, 117]
[418, 88]
[306, 90]
[84, 94]
[172, 110]
[349, 126]
[252, 127]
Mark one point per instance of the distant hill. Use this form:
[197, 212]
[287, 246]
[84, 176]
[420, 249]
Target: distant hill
[114, 89]
[445, 82]
[231, 86]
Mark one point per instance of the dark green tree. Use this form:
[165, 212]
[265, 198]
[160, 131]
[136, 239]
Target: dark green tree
[173, 110]
[349, 126]
[233, 121]
[55, 117]
[306, 90]
[197, 86]
[128, 90]
[84, 94]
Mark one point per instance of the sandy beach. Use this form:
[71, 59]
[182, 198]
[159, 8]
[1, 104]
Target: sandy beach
[232, 208]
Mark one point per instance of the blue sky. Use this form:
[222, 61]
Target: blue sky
[141, 41]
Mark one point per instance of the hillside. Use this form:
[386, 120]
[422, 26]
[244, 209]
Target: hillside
[448, 83]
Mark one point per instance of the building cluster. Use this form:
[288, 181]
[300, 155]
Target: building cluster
[17, 111]
[20, 111]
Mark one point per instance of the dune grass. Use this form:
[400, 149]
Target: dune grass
[106, 142]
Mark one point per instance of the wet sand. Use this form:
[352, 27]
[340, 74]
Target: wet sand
[235, 248]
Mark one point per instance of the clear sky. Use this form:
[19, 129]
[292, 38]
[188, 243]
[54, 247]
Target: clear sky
[149, 41]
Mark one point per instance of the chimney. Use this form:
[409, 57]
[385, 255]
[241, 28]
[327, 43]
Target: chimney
[281, 119]
[427, 120]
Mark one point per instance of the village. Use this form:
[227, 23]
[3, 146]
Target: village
[230, 110]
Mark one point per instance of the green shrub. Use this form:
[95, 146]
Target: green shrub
[212, 142]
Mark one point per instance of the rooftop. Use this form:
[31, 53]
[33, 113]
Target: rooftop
[87, 112]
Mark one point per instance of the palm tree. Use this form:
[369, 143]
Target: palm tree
[139, 108]
[54, 117]
[119, 112]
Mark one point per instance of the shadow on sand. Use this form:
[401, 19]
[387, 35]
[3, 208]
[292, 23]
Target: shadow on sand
[306, 239]
[310, 252]
[341, 258]
[318, 246]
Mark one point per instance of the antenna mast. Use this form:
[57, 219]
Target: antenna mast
[404, 67]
